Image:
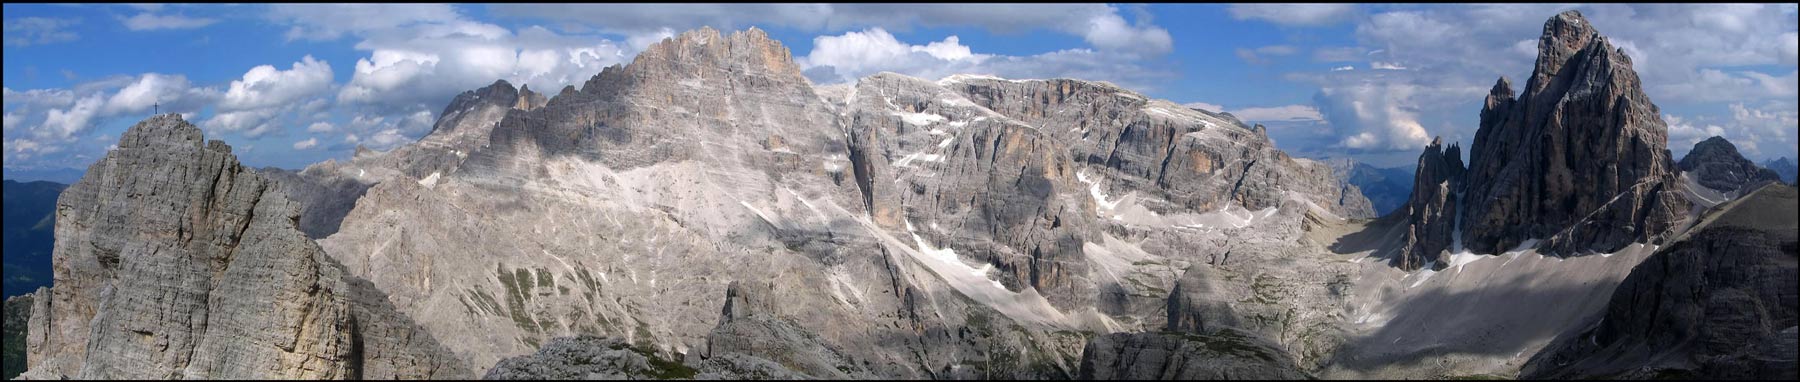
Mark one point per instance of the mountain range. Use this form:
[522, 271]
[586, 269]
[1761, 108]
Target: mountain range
[706, 211]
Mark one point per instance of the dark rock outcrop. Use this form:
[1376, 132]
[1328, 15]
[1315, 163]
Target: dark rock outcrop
[1226, 354]
[1579, 159]
[1431, 210]
[1715, 163]
[589, 358]
[1195, 306]
[1718, 304]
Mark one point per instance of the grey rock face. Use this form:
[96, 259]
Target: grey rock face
[1431, 210]
[1718, 304]
[1008, 187]
[175, 261]
[323, 199]
[1716, 164]
[1195, 306]
[1578, 159]
[1187, 160]
[1223, 355]
[752, 328]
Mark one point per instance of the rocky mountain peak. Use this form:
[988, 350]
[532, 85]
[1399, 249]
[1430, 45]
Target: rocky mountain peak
[1578, 155]
[1432, 207]
[1715, 145]
[163, 130]
[1783, 167]
[751, 51]
[1715, 163]
[1564, 35]
[1499, 98]
[165, 235]
[499, 93]
[529, 100]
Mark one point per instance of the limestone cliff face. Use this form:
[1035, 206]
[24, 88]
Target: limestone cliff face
[172, 260]
[973, 180]
[1188, 159]
[1431, 209]
[1715, 163]
[1577, 159]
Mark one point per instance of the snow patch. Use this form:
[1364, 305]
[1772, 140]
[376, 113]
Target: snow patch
[430, 181]
[956, 78]
[909, 158]
[919, 119]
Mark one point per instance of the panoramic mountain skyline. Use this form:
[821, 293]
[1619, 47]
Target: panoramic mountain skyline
[724, 205]
[302, 84]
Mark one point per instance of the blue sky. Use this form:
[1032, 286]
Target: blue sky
[291, 85]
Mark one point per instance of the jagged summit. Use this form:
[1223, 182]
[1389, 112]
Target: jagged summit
[1564, 35]
[1716, 164]
[697, 54]
[1578, 159]
[1432, 207]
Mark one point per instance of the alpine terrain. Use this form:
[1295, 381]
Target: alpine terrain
[706, 211]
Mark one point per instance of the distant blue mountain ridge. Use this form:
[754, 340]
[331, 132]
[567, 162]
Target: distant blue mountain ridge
[29, 234]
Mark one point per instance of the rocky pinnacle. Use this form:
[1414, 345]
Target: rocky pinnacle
[1579, 159]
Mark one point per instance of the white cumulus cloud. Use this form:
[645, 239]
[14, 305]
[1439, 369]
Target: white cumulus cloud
[252, 103]
[857, 54]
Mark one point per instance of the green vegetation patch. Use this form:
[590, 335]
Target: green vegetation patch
[18, 313]
[544, 280]
[516, 296]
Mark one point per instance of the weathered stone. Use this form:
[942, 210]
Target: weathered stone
[175, 261]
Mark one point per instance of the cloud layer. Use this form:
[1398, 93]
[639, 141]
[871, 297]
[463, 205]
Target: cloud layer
[1420, 71]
